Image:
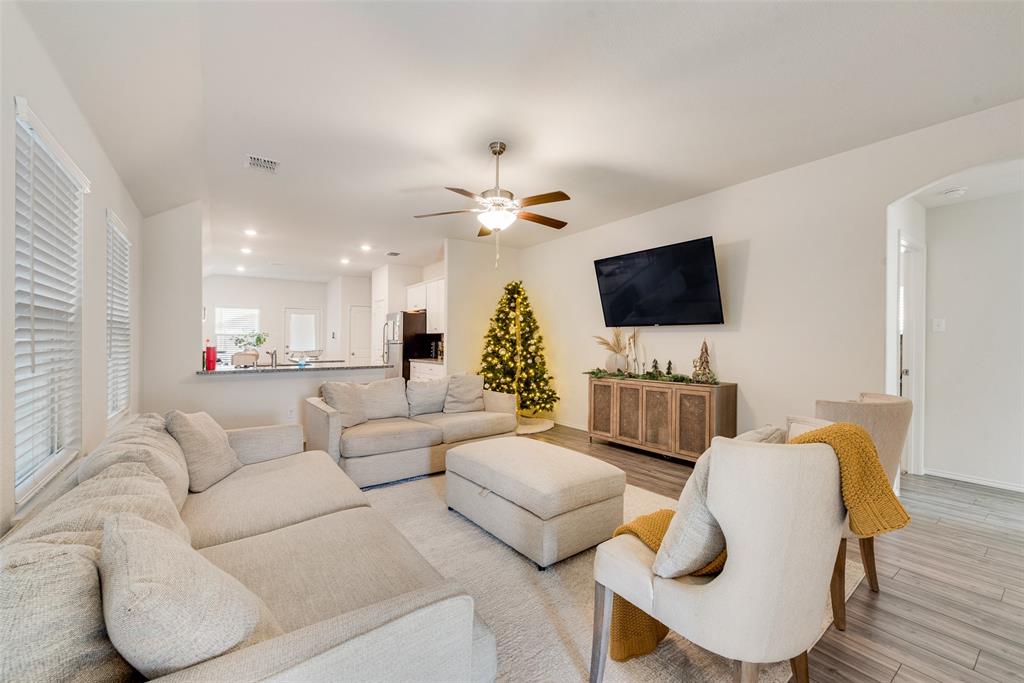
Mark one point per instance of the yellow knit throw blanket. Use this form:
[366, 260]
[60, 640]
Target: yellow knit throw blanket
[870, 500]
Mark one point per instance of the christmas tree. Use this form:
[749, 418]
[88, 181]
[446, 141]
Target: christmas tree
[513, 359]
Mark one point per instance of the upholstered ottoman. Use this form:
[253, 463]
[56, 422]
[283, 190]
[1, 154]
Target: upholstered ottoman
[545, 501]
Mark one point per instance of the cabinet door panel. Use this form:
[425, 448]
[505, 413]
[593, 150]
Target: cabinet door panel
[658, 418]
[435, 304]
[693, 422]
[601, 413]
[629, 412]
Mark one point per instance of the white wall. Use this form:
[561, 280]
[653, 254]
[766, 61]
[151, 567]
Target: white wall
[975, 369]
[473, 288]
[332, 320]
[433, 270]
[801, 257]
[271, 296]
[28, 72]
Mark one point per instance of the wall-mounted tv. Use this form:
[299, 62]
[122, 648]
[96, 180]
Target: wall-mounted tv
[672, 285]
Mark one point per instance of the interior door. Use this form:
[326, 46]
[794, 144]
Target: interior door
[359, 337]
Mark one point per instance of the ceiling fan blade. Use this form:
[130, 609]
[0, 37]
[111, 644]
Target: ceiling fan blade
[546, 198]
[543, 220]
[484, 232]
[445, 213]
[465, 193]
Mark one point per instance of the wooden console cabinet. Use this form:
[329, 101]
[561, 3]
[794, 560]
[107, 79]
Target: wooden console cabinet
[674, 419]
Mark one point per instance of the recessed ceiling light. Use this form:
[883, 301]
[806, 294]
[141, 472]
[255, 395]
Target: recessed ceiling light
[365, 247]
[344, 262]
[250, 232]
[246, 250]
[240, 269]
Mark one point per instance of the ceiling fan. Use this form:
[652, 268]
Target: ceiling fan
[498, 208]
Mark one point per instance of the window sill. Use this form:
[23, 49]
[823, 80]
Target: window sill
[27, 491]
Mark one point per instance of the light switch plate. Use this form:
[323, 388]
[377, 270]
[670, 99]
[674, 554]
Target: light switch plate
[938, 324]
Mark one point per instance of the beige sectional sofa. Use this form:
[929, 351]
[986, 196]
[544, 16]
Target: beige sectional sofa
[391, 439]
[353, 600]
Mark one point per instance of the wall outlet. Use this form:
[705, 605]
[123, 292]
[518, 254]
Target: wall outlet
[938, 324]
[291, 413]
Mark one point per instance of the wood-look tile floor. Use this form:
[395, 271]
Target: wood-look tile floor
[951, 605]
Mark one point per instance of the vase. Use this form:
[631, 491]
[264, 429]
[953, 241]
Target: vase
[616, 362]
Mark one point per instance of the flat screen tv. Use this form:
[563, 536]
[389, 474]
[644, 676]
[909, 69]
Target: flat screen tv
[672, 285]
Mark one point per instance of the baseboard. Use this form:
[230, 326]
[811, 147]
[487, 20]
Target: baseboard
[1009, 486]
[582, 428]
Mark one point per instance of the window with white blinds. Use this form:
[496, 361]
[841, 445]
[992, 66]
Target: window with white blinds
[48, 199]
[119, 333]
[228, 324]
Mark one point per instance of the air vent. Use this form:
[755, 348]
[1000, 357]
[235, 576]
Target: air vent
[953, 192]
[263, 164]
[394, 253]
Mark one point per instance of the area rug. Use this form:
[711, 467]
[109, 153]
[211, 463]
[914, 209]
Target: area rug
[542, 620]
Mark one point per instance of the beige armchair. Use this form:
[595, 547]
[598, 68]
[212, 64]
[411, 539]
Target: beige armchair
[887, 419]
[782, 514]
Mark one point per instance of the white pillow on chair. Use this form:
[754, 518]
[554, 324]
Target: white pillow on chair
[795, 426]
[693, 538]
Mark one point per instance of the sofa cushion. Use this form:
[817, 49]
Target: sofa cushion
[384, 398]
[51, 616]
[156, 460]
[457, 427]
[326, 566]
[78, 515]
[166, 606]
[346, 398]
[694, 537]
[149, 429]
[545, 479]
[388, 436]
[426, 395]
[267, 496]
[465, 394]
[208, 454]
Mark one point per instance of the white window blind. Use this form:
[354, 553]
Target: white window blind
[228, 324]
[48, 199]
[119, 333]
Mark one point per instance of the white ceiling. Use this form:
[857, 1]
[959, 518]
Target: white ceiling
[979, 182]
[372, 107]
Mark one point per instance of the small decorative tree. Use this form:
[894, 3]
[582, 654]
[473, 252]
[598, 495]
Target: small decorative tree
[702, 373]
[513, 358]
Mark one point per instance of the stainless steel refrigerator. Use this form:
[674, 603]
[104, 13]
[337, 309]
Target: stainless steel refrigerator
[398, 339]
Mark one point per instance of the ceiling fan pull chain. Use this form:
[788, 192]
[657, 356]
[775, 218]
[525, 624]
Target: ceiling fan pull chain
[497, 248]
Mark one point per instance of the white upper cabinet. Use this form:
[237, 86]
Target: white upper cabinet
[416, 297]
[436, 305]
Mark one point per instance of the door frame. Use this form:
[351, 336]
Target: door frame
[901, 246]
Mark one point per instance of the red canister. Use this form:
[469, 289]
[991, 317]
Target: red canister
[211, 357]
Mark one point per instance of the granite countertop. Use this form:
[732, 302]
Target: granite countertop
[435, 361]
[290, 367]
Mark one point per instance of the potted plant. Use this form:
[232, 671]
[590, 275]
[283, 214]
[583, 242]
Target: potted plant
[252, 341]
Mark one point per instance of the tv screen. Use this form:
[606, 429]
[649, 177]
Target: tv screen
[673, 285]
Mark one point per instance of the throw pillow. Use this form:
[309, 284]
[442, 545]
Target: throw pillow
[795, 426]
[345, 398]
[693, 538]
[51, 616]
[465, 394]
[78, 515]
[384, 398]
[208, 454]
[765, 434]
[426, 395]
[166, 606]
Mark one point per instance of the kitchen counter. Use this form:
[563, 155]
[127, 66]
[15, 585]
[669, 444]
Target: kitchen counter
[290, 368]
